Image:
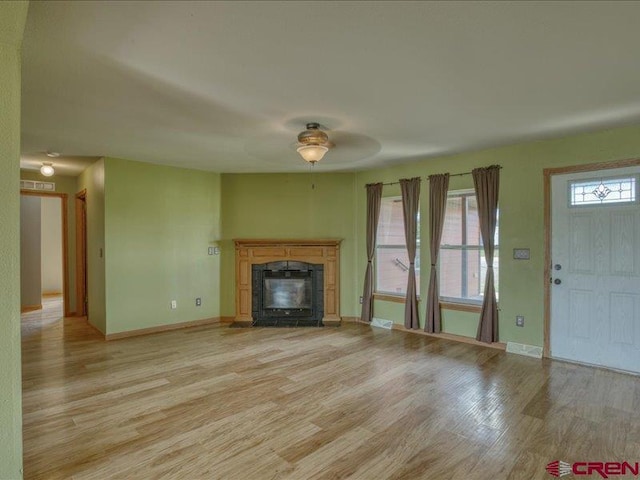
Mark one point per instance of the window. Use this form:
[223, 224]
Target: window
[463, 268]
[392, 262]
[602, 191]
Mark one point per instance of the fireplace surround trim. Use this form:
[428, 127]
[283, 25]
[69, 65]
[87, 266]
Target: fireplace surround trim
[249, 252]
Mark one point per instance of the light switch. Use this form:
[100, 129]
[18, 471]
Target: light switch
[521, 254]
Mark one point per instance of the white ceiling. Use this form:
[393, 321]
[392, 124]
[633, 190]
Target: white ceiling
[70, 166]
[226, 86]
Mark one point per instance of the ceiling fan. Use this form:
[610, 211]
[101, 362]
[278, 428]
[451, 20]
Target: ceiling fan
[321, 139]
[314, 143]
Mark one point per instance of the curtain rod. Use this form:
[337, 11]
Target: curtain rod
[451, 175]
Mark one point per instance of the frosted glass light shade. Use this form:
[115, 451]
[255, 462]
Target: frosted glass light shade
[312, 153]
[47, 169]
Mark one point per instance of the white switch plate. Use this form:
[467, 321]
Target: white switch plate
[521, 254]
[174, 304]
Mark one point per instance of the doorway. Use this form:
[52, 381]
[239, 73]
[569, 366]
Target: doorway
[592, 300]
[41, 278]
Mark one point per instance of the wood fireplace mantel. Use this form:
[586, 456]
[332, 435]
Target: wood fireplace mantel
[253, 251]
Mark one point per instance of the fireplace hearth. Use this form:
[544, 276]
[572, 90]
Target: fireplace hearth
[287, 294]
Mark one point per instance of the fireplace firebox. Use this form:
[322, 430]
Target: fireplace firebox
[287, 293]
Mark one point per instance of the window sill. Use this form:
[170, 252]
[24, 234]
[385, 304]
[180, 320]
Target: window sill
[461, 307]
[386, 297]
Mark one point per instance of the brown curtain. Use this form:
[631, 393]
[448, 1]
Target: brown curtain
[374, 197]
[438, 188]
[487, 182]
[410, 204]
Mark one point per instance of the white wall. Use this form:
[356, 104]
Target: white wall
[51, 230]
[30, 253]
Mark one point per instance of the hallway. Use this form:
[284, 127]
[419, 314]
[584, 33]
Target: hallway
[37, 321]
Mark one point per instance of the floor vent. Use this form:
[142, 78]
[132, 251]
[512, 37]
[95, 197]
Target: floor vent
[382, 323]
[523, 349]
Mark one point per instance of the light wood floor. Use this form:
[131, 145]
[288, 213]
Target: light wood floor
[350, 402]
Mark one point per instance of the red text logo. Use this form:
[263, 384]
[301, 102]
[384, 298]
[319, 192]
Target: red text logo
[559, 468]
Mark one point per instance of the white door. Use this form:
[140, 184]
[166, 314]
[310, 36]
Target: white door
[595, 272]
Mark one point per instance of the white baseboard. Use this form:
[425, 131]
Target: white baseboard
[523, 349]
[382, 323]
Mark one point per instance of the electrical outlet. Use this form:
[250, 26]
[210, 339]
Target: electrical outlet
[198, 302]
[361, 300]
[210, 250]
[174, 304]
[519, 321]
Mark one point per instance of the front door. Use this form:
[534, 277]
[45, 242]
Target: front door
[595, 271]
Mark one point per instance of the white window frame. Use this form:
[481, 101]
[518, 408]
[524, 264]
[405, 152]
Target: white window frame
[403, 294]
[464, 249]
[635, 180]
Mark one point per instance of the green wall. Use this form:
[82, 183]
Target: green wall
[66, 185]
[12, 19]
[160, 222]
[92, 180]
[521, 219]
[285, 206]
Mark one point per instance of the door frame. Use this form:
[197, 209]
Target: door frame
[81, 254]
[548, 173]
[65, 244]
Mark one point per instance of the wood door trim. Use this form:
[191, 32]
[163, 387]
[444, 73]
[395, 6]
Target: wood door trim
[65, 242]
[81, 267]
[547, 174]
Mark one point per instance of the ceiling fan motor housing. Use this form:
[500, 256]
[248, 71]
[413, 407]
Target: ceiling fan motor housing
[313, 135]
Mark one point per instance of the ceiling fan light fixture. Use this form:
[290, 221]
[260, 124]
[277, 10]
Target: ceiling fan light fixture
[47, 169]
[312, 153]
[313, 143]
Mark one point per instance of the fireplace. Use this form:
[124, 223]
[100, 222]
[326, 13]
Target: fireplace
[318, 253]
[287, 293]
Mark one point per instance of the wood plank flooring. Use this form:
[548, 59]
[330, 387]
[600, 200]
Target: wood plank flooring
[351, 402]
